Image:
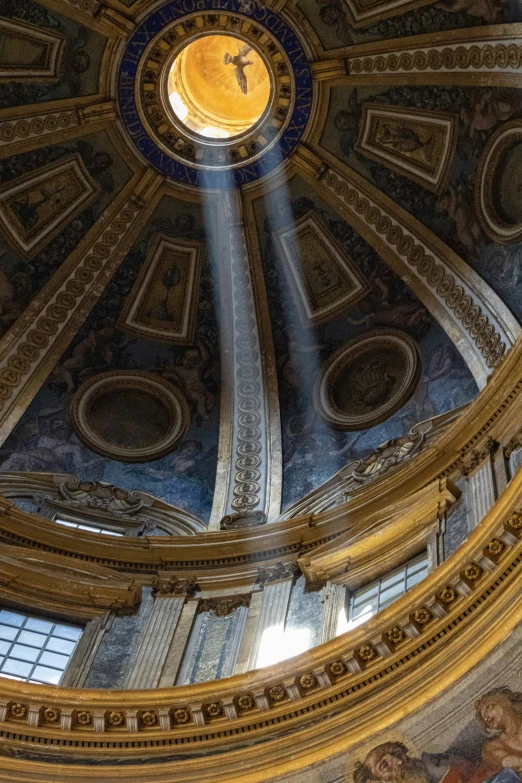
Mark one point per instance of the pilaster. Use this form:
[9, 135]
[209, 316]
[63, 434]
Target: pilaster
[334, 603]
[169, 598]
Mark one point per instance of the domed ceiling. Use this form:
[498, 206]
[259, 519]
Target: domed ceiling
[245, 243]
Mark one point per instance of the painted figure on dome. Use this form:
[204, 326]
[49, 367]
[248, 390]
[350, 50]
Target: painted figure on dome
[496, 759]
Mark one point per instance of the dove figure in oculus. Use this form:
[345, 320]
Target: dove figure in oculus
[240, 62]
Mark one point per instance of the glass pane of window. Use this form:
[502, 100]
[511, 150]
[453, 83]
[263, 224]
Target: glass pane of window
[17, 667]
[43, 674]
[8, 632]
[25, 653]
[53, 659]
[60, 645]
[35, 624]
[88, 527]
[4, 647]
[35, 650]
[366, 594]
[392, 579]
[366, 608]
[374, 597]
[67, 524]
[416, 578]
[67, 632]
[34, 639]
[10, 618]
[392, 592]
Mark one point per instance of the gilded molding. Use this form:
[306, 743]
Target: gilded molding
[44, 330]
[472, 597]
[58, 122]
[480, 55]
[45, 582]
[475, 318]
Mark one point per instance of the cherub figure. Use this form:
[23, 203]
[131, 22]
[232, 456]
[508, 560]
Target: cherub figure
[489, 10]
[458, 205]
[490, 107]
[93, 349]
[191, 373]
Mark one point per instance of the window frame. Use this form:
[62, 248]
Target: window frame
[365, 592]
[29, 625]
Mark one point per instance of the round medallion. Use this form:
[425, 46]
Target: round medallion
[498, 189]
[130, 416]
[367, 380]
[214, 97]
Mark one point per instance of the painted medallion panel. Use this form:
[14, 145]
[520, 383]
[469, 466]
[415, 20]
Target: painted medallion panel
[73, 68]
[35, 208]
[28, 52]
[417, 144]
[321, 274]
[162, 303]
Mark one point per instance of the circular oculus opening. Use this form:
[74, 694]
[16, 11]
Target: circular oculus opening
[218, 86]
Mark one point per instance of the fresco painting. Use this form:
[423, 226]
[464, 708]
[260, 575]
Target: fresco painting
[451, 214]
[80, 61]
[312, 451]
[331, 21]
[21, 279]
[44, 439]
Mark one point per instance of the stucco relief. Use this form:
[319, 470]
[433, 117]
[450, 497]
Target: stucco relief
[367, 380]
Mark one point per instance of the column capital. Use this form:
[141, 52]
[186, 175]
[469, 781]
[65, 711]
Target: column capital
[172, 586]
[278, 573]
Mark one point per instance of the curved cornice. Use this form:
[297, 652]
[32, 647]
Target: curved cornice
[494, 417]
[311, 705]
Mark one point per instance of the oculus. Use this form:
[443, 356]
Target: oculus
[130, 416]
[323, 278]
[162, 303]
[35, 207]
[219, 86]
[415, 143]
[367, 380]
[498, 189]
[214, 99]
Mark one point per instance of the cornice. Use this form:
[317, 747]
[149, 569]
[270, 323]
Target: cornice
[333, 694]
[494, 417]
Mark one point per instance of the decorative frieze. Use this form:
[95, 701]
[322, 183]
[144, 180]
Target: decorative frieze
[38, 124]
[462, 57]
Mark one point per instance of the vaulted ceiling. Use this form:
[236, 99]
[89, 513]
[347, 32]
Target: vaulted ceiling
[349, 267]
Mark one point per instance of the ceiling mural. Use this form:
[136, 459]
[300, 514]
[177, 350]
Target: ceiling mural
[396, 163]
[45, 439]
[50, 209]
[313, 450]
[78, 65]
[332, 20]
[351, 352]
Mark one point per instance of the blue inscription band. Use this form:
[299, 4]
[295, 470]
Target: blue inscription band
[257, 157]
